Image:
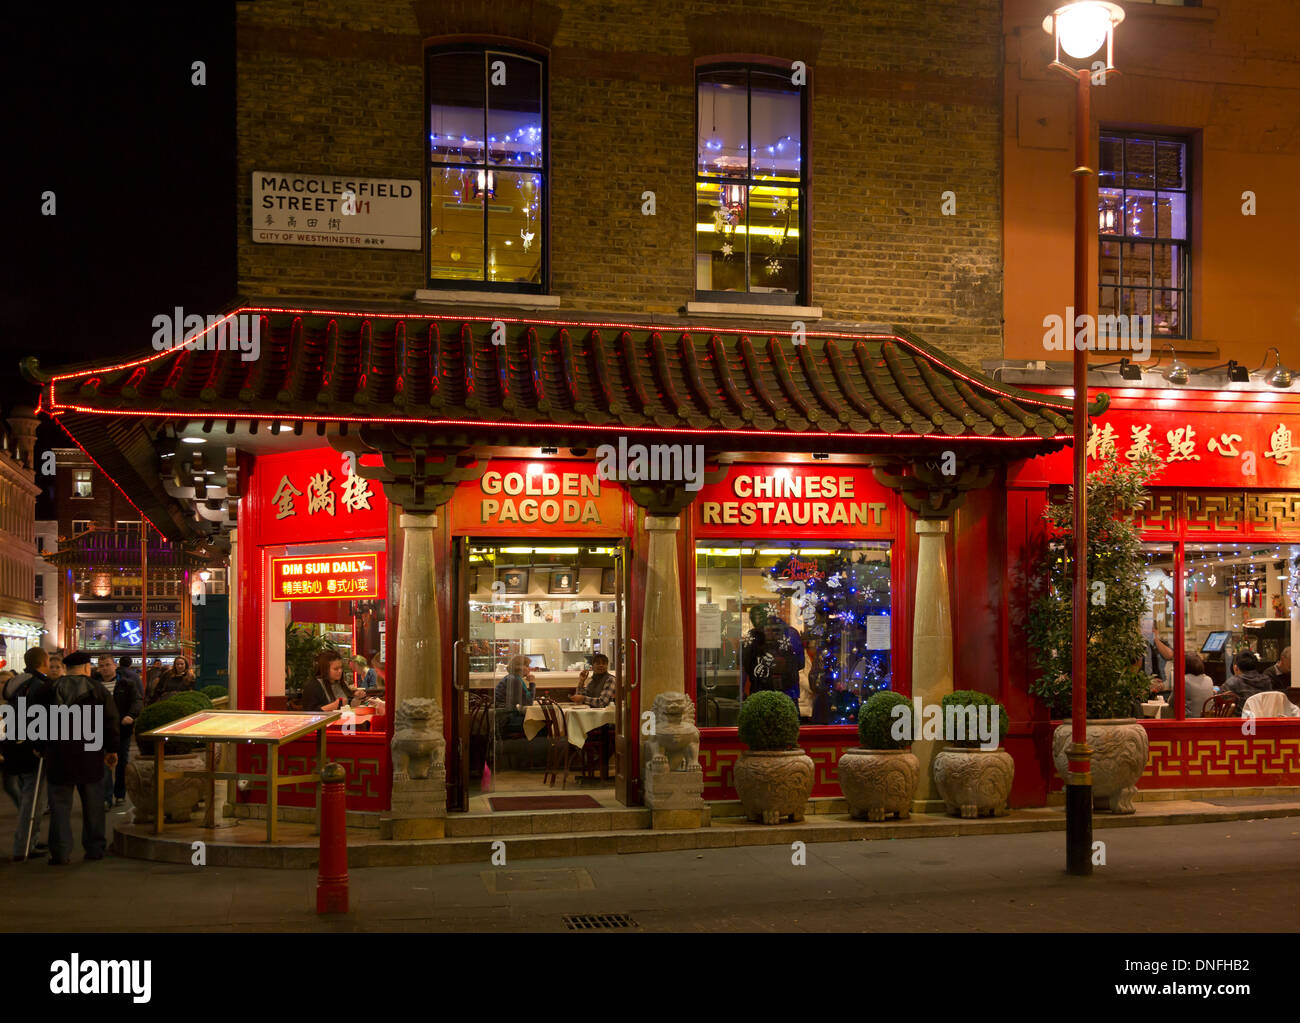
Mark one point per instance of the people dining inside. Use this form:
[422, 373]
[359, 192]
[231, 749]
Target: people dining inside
[1247, 679]
[1269, 705]
[1198, 686]
[1280, 672]
[514, 691]
[596, 687]
[327, 691]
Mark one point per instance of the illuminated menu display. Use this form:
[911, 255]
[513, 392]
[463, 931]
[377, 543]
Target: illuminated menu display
[347, 577]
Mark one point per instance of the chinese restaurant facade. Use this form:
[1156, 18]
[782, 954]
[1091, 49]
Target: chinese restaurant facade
[404, 490]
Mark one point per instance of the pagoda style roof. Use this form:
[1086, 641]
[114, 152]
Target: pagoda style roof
[493, 380]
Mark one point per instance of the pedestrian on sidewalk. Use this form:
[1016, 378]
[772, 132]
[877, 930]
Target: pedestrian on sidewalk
[21, 764]
[129, 699]
[76, 761]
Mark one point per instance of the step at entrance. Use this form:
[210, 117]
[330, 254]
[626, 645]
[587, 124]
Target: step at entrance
[546, 822]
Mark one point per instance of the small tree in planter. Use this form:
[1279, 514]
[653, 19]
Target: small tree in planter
[774, 777]
[973, 781]
[1117, 602]
[879, 777]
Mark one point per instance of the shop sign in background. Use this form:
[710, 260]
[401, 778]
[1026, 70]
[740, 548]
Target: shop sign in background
[308, 209]
[539, 498]
[308, 496]
[794, 501]
[342, 576]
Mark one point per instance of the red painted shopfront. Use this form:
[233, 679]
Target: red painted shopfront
[1222, 531]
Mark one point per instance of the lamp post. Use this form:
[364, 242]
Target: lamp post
[1081, 28]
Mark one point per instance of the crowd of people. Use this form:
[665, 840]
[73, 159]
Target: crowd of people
[1247, 678]
[51, 770]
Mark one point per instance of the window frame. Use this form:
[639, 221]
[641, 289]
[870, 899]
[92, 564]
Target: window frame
[803, 296]
[1124, 135]
[508, 49]
[90, 485]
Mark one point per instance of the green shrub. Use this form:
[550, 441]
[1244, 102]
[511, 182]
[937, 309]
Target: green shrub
[162, 713]
[876, 722]
[214, 692]
[970, 698]
[194, 700]
[769, 721]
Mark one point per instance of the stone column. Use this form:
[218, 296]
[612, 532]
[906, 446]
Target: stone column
[419, 808]
[931, 646]
[662, 647]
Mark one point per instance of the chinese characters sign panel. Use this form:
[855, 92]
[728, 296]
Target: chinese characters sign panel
[322, 209]
[317, 495]
[346, 577]
[795, 501]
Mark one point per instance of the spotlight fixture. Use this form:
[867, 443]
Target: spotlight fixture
[820, 456]
[1127, 369]
[1237, 373]
[1280, 376]
[1177, 373]
[550, 451]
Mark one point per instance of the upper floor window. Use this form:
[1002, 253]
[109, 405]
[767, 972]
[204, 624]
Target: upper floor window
[1143, 212]
[81, 483]
[487, 169]
[81, 526]
[751, 185]
[128, 526]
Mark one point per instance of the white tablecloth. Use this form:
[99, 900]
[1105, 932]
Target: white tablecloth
[578, 720]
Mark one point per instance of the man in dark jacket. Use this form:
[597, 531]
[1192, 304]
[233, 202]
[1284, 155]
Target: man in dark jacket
[124, 686]
[82, 739]
[1247, 679]
[21, 760]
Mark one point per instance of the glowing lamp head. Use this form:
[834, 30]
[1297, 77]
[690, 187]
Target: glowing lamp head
[1083, 27]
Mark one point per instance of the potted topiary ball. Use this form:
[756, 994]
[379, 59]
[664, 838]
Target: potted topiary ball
[774, 777]
[879, 777]
[180, 795]
[973, 781]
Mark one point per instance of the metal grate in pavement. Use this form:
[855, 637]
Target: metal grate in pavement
[599, 922]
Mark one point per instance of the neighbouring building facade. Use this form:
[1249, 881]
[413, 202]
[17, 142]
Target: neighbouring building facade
[580, 344]
[21, 624]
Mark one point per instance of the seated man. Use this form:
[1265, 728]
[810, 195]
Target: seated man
[1247, 679]
[598, 691]
[1280, 672]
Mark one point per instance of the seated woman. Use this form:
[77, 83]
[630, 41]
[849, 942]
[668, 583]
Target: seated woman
[1199, 685]
[176, 679]
[327, 691]
[514, 692]
[364, 674]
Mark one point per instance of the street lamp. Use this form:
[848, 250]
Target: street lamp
[1081, 28]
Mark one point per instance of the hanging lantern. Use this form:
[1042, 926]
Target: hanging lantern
[733, 200]
[485, 185]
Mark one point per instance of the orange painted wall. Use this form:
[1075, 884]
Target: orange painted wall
[1229, 78]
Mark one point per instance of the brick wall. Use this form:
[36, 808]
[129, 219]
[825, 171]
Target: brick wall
[905, 105]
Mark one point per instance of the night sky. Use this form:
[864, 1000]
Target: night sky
[100, 109]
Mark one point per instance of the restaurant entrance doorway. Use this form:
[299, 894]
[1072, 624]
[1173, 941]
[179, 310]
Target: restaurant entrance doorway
[540, 672]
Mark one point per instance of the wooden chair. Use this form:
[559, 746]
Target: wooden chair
[480, 730]
[557, 741]
[1222, 706]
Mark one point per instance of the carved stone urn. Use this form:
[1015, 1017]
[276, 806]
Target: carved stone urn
[1119, 756]
[774, 784]
[974, 782]
[180, 795]
[879, 783]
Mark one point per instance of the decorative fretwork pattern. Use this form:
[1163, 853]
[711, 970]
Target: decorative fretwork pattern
[1222, 762]
[1215, 510]
[1159, 513]
[1273, 513]
[364, 785]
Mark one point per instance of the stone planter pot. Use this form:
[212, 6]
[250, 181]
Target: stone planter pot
[1119, 756]
[974, 782]
[878, 783]
[774, 784]
[180, 795]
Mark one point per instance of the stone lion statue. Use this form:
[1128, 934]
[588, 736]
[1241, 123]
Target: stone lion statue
[675, 745]
[417, 737]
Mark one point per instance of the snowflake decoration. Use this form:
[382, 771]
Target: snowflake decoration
[727, 249]
[780, 205]
[773, 265]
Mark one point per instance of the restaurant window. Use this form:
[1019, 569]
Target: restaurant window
[487, 170]
[750, 185]
[812, 621]
[80, 526]
[331, 599]
[1143, 223]
[82, 485]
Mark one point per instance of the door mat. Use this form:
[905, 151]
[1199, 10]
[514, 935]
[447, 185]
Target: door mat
[543, 803]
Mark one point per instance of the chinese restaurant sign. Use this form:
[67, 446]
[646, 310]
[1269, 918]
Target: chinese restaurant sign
[310, 496]
[345, 577]
[795, 501]
[517, 498]
[322, 209]
[1202, 449]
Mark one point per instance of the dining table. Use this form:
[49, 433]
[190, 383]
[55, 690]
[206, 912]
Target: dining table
[578, 721]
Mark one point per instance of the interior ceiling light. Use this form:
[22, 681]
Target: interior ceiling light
[199, 440]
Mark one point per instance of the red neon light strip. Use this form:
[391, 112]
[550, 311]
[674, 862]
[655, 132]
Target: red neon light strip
[109, 476]
[611, 428]
[986, 384]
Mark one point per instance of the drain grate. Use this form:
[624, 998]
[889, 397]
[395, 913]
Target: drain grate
[599, 922]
